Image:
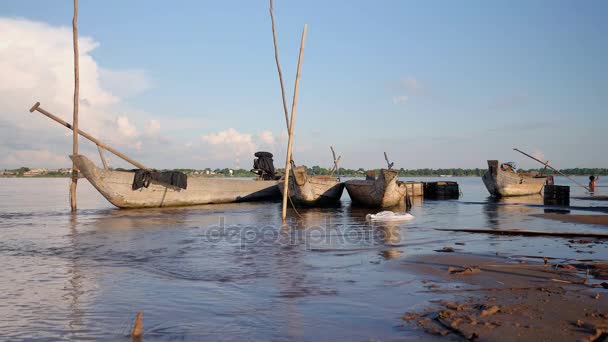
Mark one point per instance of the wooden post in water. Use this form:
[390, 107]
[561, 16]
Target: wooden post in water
[75, 117]
[138, 327]
[291, 122]
[276, 57]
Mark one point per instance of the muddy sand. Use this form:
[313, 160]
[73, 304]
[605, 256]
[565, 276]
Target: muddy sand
[582, 219]
[488, 298]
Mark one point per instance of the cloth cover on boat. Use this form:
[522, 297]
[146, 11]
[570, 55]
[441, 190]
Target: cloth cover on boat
[264, 165]
[142, 178]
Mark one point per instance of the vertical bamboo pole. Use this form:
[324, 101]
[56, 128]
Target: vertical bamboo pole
[75, 118]
[291, 122]
[276, 57]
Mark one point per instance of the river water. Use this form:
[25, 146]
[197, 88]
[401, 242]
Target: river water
[234, 272]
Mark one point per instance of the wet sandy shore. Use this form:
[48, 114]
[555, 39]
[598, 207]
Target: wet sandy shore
[490, 298]
[582, 219]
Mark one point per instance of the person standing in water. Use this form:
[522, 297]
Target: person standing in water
[592, 180]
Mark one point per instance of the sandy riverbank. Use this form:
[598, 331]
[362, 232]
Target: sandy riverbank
[498, 299]
[582, 219]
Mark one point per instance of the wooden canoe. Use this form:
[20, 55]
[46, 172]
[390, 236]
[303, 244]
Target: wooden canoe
[116, 187]
[502, 183]
[312, 190]
[383, 192]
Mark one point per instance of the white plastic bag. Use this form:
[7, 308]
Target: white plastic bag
[388, 216]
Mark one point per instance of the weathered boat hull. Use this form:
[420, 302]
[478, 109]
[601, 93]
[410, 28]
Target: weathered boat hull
[383, 192]
[313, 190]
[116, 187]
[504, 183]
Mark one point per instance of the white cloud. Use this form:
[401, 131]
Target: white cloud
[411, 85]
[125, 83]
[404, 89]
[35, 158]
[400, 99]
[538, 154]
[228, 144]
[266, 137]
[126, 128]
[36, 64]
[152, 128]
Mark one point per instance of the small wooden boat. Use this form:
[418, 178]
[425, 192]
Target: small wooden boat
[502, 183]
[116, 187]
[382, 192]
[312, 190]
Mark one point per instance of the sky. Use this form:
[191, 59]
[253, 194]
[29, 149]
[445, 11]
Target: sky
[194, 84]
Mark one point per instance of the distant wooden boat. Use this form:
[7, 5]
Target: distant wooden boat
[383, 192]
[312, 190]
[503, 183]
[116, 187]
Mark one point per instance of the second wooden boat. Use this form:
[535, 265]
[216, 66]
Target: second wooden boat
[502, 183]
[116, 187]
[385, 191]
[312, 190]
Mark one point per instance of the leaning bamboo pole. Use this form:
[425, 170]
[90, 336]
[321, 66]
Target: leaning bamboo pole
[39, 109]
[291, 122]
[554, 169]
[276, 57]
[75, 116]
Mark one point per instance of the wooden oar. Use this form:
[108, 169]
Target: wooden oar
[37, 108]
[554, 169]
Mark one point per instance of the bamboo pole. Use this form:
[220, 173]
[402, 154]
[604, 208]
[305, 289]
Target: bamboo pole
[276, 57]
[291, 122]
[554, 169]
[39, 109]
[75, 114]
[103, 158]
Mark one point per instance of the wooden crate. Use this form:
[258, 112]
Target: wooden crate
[441, 190]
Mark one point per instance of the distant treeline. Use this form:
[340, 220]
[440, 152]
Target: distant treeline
[317, 170]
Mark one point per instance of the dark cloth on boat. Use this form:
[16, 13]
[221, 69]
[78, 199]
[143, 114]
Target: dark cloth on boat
[143, 178]
[264, 165]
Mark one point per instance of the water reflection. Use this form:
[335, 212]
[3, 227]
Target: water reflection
[502, 210]
[232, 271]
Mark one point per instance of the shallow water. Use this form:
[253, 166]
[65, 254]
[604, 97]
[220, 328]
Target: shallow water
[233, 272]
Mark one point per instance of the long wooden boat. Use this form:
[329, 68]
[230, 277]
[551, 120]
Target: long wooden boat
[383, 192]
[503, 183]
[312, 190]
[116, 187]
